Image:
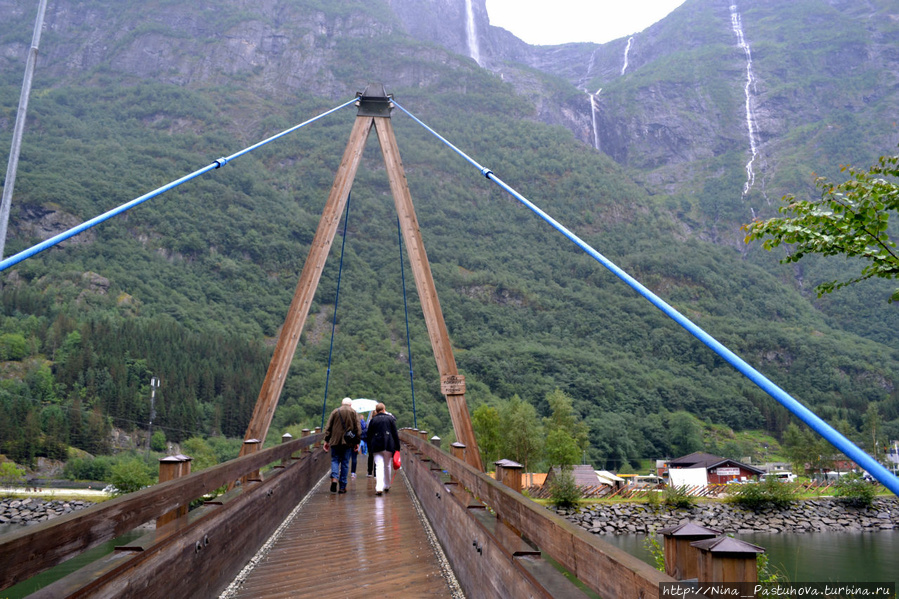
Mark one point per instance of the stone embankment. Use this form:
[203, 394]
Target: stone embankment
[815, 515]
[32, 511]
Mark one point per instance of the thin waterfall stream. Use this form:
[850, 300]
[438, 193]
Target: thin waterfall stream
[737, 25]
[627, 50]
[474, 49]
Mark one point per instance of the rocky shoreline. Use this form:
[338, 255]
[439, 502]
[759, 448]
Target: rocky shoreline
[813, 515]
[29, 511]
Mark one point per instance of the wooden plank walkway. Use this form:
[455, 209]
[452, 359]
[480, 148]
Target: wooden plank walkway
[350, 545]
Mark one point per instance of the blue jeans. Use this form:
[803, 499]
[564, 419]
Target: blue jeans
[340, 463]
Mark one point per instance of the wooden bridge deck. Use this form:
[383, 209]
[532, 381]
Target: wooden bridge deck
[350, 545]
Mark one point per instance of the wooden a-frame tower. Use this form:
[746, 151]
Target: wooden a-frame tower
[375, 107]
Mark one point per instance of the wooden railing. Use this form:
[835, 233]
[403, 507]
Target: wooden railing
[496, 551]
[195, 555]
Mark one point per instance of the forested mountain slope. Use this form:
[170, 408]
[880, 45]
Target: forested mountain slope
[193, 286]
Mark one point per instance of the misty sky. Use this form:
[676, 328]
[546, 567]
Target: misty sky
[542, 22]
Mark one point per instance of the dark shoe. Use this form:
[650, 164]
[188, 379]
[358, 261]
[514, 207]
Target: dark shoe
[378, 493]
[343, 490]
[386, 489]
[333, 485]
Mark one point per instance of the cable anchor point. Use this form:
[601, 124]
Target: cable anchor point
[374, 101]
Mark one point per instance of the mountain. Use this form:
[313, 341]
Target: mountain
[193, 286]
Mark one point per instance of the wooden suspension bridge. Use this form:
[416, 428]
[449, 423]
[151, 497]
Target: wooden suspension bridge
[446, 530]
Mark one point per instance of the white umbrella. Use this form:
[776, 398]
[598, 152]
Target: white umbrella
[364, 405]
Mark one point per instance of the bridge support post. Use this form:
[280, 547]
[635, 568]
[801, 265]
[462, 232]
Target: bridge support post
[509, 473]
[457, 450]
[306, 432]
[170, 468]
[681, 559]
[250, 446]
[724, 559]
[285, 438]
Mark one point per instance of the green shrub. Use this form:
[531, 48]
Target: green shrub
[131, 475]
[11, 474]
[653, 499]
[766, 573]
[157, 441]
[854, 490]
[652, 544]
[563, 491]
[772, 492]
[678, 497]
[99, 468]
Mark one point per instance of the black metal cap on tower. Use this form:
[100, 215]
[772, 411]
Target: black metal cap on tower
[374, 101]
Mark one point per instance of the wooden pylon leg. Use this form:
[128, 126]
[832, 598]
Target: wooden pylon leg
[305, 291]
[452, 384]
[424, 282]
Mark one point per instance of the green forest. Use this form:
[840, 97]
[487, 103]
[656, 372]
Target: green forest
[193, 286]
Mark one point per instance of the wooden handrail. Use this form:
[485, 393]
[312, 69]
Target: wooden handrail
[602, 567]
[32, 550]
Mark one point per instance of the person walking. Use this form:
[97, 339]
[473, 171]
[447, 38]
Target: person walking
[361, 448]
[342, 420]
[383, 440]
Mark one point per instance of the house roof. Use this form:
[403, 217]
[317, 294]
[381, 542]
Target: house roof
[584, 475]
[708, 461]
[608, 477]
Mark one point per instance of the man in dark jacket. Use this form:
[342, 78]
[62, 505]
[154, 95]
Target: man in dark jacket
[383, 440]
[342, 419]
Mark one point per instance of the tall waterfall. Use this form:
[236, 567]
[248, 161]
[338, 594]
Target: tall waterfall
[583, 81]
[472, 34]
[593, 116]
[627, 50]
[737, 24]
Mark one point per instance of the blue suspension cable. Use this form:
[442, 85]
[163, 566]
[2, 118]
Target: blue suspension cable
[346, 220]
[135, 202]
[833, 436]
[399, 235]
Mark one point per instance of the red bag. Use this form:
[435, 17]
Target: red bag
[397, 464]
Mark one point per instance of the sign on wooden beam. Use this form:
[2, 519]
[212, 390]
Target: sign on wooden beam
[452, 384]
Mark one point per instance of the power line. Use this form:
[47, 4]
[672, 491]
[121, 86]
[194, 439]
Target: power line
[13, 165]
[87, 411]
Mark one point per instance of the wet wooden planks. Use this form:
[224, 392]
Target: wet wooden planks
[350, 545]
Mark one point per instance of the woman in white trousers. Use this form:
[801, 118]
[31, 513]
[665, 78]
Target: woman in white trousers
[383, 440]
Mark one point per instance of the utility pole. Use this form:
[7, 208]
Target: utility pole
[154, 385]
[13, 165]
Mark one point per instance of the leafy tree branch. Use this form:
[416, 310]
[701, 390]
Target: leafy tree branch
[849, 219]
